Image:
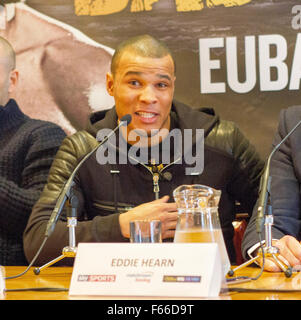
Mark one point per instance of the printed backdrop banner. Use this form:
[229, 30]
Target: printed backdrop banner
[240, 57]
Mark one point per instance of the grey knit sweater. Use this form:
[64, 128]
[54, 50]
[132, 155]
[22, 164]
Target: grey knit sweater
[27, 149]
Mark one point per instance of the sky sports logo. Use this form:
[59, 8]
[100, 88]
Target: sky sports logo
[96, 278]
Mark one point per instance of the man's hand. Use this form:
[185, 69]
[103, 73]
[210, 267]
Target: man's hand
[156, 210]
[290, 253]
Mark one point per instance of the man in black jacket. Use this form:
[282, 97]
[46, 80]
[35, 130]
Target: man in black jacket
[142, 82]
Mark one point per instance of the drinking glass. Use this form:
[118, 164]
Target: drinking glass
[145, 231]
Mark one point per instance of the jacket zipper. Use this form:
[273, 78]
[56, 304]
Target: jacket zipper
[156, 184]
[156, 175]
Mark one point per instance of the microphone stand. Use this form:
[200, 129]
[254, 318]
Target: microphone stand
[68, 195]
[68, 251]
[268, 251]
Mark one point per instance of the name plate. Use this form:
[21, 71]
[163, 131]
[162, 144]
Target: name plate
[147, 269]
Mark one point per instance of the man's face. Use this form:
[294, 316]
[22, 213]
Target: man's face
[8, 79]
[4, 84]
[143, 87]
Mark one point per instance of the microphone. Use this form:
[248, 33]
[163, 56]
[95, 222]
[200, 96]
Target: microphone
[124, 121]
[265, 184]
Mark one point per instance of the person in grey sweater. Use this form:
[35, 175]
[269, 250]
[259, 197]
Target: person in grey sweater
[27, 149]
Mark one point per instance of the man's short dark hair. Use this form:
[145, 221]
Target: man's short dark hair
[144, 46]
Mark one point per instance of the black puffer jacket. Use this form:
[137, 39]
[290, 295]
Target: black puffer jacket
[231, 165]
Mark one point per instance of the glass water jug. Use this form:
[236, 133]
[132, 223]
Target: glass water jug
[198, 219]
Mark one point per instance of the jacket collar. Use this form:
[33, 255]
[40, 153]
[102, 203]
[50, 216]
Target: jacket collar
[194, 118]
[10, 115]
[105, 119]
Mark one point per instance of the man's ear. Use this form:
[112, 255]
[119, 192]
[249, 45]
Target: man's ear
[110, 83]
[13, 80]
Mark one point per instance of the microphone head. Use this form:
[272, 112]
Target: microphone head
[126, 120]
